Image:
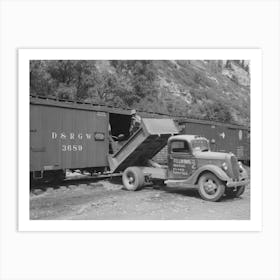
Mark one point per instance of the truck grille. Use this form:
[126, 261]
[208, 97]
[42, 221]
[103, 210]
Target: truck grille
[235, 167]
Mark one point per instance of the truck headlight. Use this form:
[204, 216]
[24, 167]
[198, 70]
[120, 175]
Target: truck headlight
[224, 166]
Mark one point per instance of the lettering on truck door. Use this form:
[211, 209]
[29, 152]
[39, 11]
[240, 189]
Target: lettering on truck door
[180, 160]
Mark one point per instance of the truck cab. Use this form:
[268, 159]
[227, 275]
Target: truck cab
[192, 164]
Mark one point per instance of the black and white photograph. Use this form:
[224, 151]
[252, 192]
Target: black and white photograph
[140, 139]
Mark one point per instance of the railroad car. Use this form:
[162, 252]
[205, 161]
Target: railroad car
[72, 135]
[223, 137]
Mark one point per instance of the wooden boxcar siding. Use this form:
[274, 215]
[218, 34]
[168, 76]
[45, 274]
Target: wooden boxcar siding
[47, 153]
[227, 139]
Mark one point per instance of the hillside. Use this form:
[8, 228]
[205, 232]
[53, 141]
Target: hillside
[195, 87]
[219, 90]
[215, 90]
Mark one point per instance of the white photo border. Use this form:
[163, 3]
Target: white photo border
[255, 221]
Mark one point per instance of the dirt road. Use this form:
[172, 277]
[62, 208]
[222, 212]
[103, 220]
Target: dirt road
[104, 200]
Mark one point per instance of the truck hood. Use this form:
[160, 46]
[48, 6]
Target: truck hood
[211, 155]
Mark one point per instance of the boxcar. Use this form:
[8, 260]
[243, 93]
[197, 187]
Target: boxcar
[71, 135]
[223, 137]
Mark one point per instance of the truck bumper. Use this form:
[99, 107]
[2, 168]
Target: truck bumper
[232, 184]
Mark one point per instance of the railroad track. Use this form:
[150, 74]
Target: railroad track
[75, 180]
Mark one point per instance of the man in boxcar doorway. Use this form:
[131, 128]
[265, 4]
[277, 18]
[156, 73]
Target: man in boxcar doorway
[135, 122]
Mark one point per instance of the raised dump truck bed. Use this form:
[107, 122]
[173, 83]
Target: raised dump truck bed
[147, 141]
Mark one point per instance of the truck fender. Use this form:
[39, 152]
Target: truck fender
[216, 170]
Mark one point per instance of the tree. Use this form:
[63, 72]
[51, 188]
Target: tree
[79, 75]
[40, 80]
[228, 64]
[137, 80]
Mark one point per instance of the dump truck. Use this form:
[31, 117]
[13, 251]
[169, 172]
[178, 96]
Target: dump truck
[190, 162]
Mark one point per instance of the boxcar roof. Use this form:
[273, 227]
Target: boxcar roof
[45, 101]
[182, 120]
[80, 105]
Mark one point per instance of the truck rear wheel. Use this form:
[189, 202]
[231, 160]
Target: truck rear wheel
[210, 187]
[133, 178]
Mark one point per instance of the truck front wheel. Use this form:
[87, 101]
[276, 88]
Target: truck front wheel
[210, 187]
[133, 178]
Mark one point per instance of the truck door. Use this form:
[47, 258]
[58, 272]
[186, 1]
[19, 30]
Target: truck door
[181, 162]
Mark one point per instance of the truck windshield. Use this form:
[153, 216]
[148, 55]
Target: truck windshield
[200, 145]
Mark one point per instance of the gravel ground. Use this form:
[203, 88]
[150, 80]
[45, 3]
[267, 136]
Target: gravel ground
[104, 200]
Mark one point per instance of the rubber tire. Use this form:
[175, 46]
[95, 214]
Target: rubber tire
[240, 191]
[220, 187]
[235, 193]
[137, 175]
